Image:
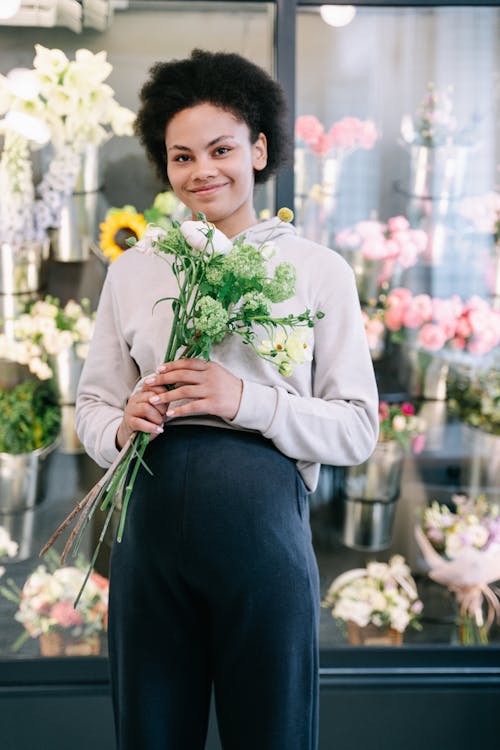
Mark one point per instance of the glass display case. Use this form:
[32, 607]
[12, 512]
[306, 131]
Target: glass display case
[395, 115]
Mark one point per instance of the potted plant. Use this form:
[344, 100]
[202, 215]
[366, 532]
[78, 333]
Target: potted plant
[370, 490]
[376, 604]
[45, 609]
[29, 429]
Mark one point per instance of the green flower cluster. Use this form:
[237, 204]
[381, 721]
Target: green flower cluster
[246, 262]
[282, 286]
[211, 319]
[256, 303]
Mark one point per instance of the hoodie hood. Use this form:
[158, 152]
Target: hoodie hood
[270, 229]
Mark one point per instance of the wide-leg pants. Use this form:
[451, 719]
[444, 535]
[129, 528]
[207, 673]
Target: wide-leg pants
[215, 582]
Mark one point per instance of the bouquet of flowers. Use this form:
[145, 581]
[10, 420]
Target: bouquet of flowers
[382, 594]
[474, 397]
[122, 224]
[69, 98]
[45, 603]
[462, 547]
[399, 422]
[225, 289]
[435, 124]
[45, 330]
[472, 326]
[392, 243]
[343, 137]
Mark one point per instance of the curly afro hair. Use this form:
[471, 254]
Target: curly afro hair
[224, 79]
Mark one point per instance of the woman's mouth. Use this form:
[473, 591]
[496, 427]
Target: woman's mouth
[208, 189]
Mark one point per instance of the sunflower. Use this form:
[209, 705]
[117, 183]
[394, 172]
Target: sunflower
[119, 225]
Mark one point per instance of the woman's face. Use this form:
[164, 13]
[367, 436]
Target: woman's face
[210, 165]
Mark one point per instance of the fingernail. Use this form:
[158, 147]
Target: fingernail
[159, 429]
[170, 412]
[161, 368]
[154, 399]
[150, 379]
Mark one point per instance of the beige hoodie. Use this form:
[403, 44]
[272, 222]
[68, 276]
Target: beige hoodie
[325, 413]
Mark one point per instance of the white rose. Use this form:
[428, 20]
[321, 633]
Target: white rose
[147, 243]
[358, 612]
[82, 351]
[84, 328]
[72, 309]
[195, 233]
[399, 620]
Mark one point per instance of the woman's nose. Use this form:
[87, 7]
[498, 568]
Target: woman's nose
[204, 168]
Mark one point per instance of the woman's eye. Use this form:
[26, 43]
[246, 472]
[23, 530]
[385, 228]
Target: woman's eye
[220, 150]
[181, 158]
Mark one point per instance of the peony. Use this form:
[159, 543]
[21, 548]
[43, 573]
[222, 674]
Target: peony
[432, 337]
[308, 128]
[65, 615]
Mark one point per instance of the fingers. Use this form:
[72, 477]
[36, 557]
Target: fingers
[142, 416]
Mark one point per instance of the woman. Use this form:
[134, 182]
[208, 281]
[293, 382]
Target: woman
[215, 581]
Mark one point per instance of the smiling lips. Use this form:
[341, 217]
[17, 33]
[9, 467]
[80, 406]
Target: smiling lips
[208, 189]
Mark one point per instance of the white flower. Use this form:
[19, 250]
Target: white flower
[49, 62]
[268, 250]
[72, 309]
[44, 309]
[7, 545]
[122, 121]
[82, 351]
[147, 243]
[40, 368]
[399, 423]
[358, 612]
[379, 571]
[195, 233]
[84, 328]
[298, 345]
[454, 545]
[400, 619]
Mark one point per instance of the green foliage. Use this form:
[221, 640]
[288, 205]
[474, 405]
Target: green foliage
[31, 417]
[475, 398]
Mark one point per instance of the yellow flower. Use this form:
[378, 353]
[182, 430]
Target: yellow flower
[117, 228]
[285, 214]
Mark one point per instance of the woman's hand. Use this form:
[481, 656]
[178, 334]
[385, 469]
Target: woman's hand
[210, 388]
[141, 416]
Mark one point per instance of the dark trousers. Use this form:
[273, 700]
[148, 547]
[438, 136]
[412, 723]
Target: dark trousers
[215, 582]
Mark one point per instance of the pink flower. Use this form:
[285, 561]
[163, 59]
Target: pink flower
[383, 411]
[399, 297]
[408, 254]
[347, 239]
[65, 615]
[308, 128]
[370, 228]
[432, 337]
[394, 318]
[367, 134]
[373, 248]
[418, 444]
[398, 224]
[407, 408]
[323, 145]
[463, 327]
[483, 343]
[343, 133]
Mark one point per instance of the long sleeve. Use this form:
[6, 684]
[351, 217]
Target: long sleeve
[108, 377]
[338, 424]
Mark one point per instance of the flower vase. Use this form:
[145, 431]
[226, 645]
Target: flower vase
[437, 172]
[482, 467]
[423, 373]
[371, 635]
[23, 268]
[61, 643]
[23, 478]
[320, 206]
[369, 494]
[67, 368]
[80, 212]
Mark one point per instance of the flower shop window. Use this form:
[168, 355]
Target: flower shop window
[396, 167]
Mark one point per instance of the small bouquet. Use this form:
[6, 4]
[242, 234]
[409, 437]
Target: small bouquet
[45, 603]
[344, 136]
[474, 397]
[225, 289]
[122, 224]
[435, 124]
[472, 326]
[382, 594]
[462, 547]
[399, 422]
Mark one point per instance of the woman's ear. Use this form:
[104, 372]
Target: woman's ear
[259, 152]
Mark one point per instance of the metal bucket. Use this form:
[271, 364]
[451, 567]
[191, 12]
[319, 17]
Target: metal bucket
[23, 478]
[67, 367]
[23, 269]
[81, 212]
[369, 496]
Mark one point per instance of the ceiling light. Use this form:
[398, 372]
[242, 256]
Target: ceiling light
[337, 15]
